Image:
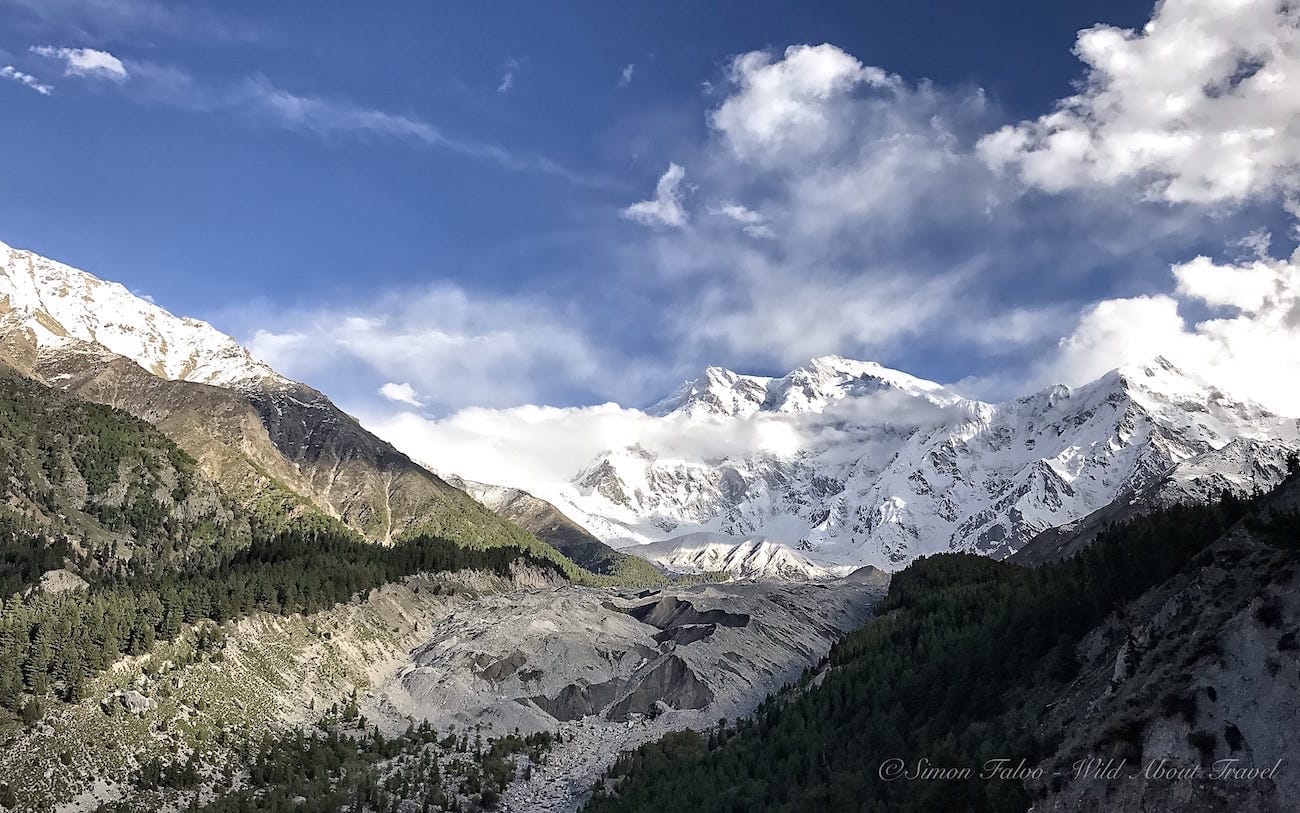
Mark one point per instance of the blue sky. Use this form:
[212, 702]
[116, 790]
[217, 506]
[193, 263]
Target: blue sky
[459, 200]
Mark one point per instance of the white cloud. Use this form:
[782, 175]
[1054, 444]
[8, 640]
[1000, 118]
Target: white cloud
[537, 447]
[625, 76]
[403, 393]
[507, 82]
[1199, 106]
[85, 62]
[752, 223]
[842, 186]
[787, 108]
[1250, 346]
[9, 72]
[665, 209]
[453, 348]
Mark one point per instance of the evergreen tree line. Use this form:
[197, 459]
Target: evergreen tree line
[939, 674]
[58, 641]
[26, 552]
[332, 769]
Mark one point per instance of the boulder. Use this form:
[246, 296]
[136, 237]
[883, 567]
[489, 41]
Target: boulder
[135, 702]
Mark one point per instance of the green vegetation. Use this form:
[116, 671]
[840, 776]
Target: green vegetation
[107, 480]
[333, 769]
[942, 674]
[26, 552]
[628, 570]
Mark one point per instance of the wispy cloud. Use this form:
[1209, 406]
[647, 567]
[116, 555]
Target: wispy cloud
[508, 78]
[752, 223]
[447, 346]
[665, 208]
[330, 117]
[10, 72]
[100, 20]
[87, 62]
[625, 78]
[258, 97]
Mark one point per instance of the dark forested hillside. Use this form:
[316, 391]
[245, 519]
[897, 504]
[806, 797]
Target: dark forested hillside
[956, 669]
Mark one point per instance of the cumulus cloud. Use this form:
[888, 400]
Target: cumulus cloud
[403, 393]
[1201, 105]
[10, 72]
[785, 108]
[885, 228]
[1250, 344]
[87, 62]
[842, 170]
[665, 208]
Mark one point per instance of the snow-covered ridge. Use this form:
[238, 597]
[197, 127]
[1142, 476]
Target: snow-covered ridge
[888, 467]
[63, 307]
[705, 552]
[809, 389]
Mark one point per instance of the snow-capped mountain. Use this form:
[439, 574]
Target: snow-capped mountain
[63, 306]
[705, 552]
[878, 467]
[268, 440]
[810, 389]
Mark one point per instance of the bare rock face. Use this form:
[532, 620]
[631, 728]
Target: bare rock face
[504, 668]
[576, 701]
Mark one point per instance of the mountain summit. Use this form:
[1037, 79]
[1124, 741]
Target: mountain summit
[888, 467]
[60, 306]
[809, 389]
